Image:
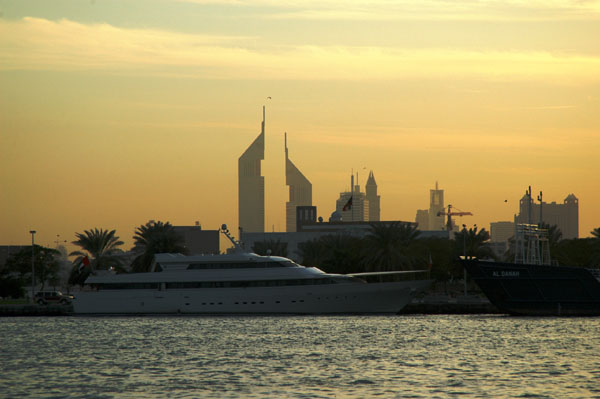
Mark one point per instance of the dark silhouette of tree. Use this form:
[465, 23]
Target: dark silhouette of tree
[387, 246]
[276, 247]
[312, 253]
[338, 253]
[474, 242]
[596, 247]
[46, 265]
[155, 238]
[101, 247]
[576, 252]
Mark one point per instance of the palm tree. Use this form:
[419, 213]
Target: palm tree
[101, 247]
[312, 252]
[336, 253]
[276, 247]
[387, 246]
[155, 238]
[474, 243]
[596, 233]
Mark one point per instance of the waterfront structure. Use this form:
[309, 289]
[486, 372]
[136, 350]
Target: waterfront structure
[198, 241]
[432, 218]
[565, 216]
[373, 198]
[353, 205]
[251, 185]
[300, 191]
[241, 282]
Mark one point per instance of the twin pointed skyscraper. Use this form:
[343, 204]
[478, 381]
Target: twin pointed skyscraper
[251, 187]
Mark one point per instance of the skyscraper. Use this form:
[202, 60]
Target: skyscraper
[374, 199]
[300, 191]
[436, 205]
[251, 185]
[353, 205]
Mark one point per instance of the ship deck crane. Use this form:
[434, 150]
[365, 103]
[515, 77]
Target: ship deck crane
[450, 213]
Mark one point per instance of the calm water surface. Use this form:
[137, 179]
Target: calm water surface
[300, 357]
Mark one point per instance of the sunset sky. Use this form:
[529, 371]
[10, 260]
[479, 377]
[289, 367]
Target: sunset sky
[113, 113]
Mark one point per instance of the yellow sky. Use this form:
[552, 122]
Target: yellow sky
[112, 113]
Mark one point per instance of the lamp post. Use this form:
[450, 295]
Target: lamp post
[32, 232]
[465, 255]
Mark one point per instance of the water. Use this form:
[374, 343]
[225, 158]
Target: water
[300, 357]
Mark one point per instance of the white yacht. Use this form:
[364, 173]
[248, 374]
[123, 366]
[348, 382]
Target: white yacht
[240, 283]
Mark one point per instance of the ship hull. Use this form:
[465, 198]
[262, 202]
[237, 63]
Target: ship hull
[537, 290]
[320, 299]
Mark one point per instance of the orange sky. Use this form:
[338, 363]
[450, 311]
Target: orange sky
[116, 113]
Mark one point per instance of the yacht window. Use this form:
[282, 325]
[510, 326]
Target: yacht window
[238, 265]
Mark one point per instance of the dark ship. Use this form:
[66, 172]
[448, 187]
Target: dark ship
[531, 286]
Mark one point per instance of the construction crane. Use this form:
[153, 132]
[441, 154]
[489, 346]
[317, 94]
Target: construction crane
[450, 213]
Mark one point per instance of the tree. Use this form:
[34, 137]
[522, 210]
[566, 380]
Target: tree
[277, 248]
[155, 238]
[596, 233]
[45, 261]
[338, 253]
[312, 252]
[101, 247]
[388, 246]
[474, 242]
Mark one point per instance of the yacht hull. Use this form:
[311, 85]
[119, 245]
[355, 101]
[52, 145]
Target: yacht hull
[319, 299]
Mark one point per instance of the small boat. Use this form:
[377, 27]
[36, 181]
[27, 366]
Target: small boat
[242, 283]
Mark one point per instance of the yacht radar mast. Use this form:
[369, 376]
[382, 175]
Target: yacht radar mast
[239, 247]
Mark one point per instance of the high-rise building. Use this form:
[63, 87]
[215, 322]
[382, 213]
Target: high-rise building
[565, 216]
[373, 198]
[436, 205]
[353, 205]
[251, 185]
[422, 219]
[300, 190]
[501, 231]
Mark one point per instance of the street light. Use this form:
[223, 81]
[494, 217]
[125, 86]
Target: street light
[32, 232]
[465, 255]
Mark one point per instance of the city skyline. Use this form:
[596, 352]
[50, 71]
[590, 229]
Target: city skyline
[113, 114]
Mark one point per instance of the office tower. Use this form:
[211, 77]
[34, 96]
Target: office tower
[374, 199]
[251, 185]
[300, 190]
[353, 205]
[436, 205]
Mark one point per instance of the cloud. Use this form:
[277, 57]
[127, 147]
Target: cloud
[529, 10]
[40, 44]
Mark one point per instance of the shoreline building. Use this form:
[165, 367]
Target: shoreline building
[251, 185]
[199, 241]
[300, 191]
[565, 216]
[431, 219]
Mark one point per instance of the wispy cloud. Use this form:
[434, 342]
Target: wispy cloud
[422, 9]
[40, 44]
